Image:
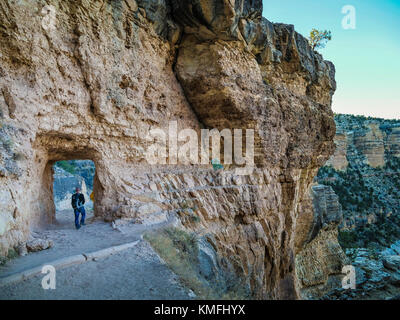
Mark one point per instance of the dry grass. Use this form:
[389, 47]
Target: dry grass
[179, 250]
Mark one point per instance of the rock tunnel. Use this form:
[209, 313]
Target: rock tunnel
[45, 163]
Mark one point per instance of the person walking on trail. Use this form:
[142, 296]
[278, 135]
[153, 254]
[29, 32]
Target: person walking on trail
[78, 201]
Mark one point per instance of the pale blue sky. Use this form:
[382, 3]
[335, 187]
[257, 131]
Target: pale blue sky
[367, 59]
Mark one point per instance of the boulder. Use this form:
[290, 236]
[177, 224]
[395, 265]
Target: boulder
[37, 244]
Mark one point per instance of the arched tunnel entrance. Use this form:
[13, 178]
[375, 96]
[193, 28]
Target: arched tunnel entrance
[58, 183]
[67, 176]
[56, 159]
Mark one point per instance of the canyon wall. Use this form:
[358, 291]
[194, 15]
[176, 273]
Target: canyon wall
[320, 262]
[92, 80]
[365, 173]
[365, 141]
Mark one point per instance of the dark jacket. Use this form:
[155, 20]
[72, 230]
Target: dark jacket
[77, 200]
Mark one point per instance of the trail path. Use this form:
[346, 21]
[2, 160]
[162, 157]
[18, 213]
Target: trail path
[134, 273]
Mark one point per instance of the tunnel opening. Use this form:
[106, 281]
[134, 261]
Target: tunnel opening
[67, 175]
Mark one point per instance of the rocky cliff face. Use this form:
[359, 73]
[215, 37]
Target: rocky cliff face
[93, 81]
[365, 141]
[320, 262]
[365, 174]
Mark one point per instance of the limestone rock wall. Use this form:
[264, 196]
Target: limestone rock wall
[339, 158]
[319, 264]
[393, 141]
[365, 141]
[110, 71]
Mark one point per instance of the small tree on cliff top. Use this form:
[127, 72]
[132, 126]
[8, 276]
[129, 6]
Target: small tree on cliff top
[319, 38]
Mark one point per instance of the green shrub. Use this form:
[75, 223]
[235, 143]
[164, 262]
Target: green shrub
[66, 165]
[12, 254]
[348, 239]
[319, 38]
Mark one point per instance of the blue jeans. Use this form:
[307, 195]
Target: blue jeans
[78, 211]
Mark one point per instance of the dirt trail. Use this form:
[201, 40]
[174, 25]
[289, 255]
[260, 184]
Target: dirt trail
[136, 273]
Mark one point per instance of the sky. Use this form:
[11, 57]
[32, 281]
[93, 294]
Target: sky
[367, 58]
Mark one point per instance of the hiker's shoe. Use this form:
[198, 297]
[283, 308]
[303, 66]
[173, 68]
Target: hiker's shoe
[83, 224]
[77, 227]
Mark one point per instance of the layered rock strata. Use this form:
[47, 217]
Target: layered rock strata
[90, 79]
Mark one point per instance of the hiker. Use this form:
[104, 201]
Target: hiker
[78, 201]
